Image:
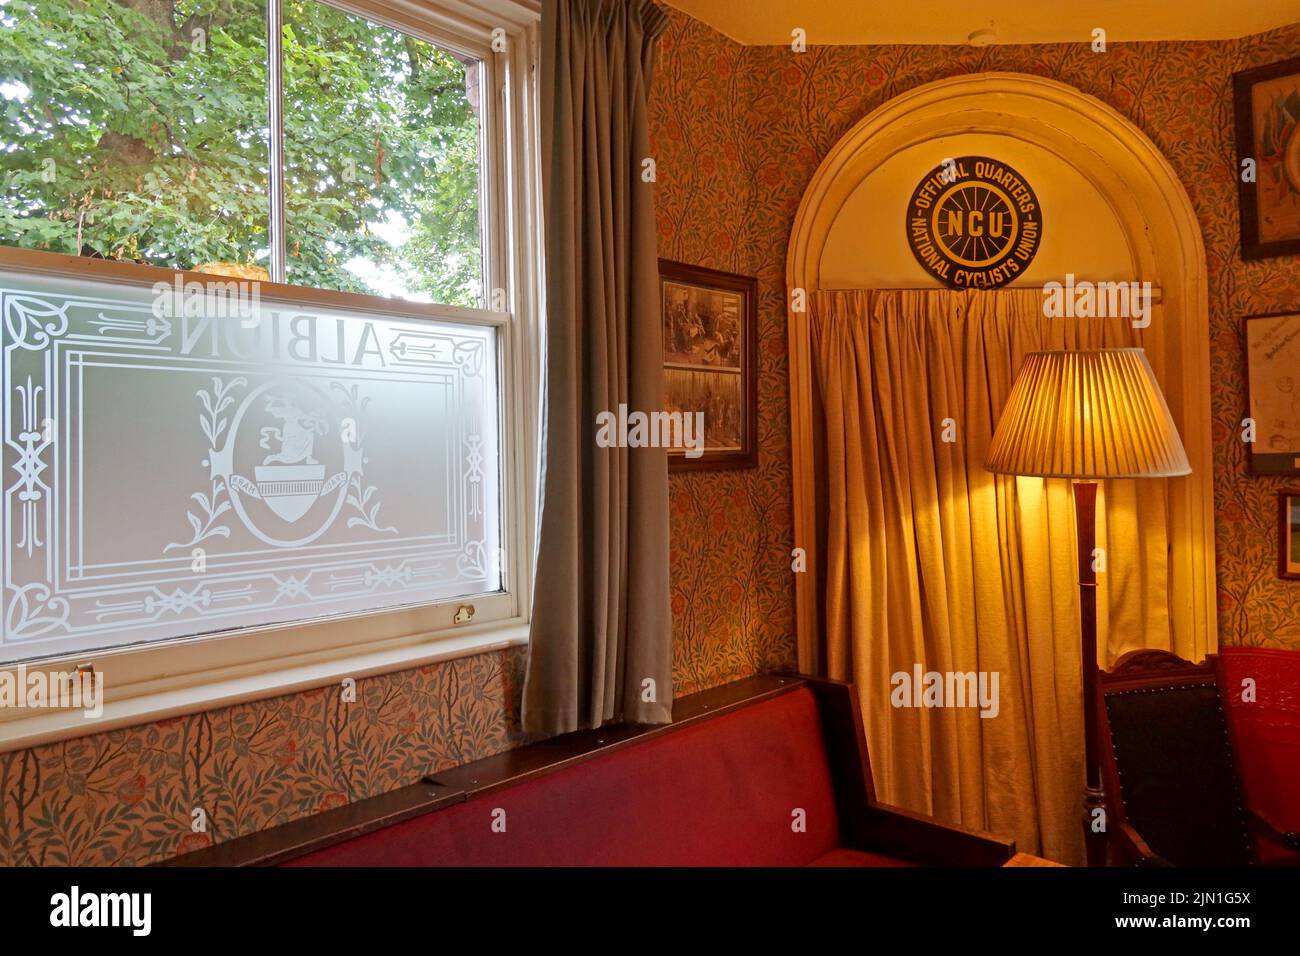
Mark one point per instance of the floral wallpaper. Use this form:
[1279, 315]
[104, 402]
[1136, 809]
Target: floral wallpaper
[130, 795]
[1256, 607]
[737, 133]
[732, 531]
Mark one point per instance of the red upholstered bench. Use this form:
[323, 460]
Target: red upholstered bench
[767, 772]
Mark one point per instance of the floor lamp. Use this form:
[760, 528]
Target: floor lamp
[1087, 415]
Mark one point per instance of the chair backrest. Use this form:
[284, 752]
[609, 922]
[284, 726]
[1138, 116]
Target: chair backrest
[1260, 689]
[1168, 760]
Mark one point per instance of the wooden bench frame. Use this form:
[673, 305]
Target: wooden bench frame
[865, 824]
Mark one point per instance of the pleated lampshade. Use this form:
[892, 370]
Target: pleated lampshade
[1087, 414]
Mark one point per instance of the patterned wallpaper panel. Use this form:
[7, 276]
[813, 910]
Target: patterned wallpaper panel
[129, 796]
[732, 531]
[737, 133]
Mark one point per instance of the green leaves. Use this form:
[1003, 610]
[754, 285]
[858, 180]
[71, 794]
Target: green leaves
[120, 138]
[372, 117]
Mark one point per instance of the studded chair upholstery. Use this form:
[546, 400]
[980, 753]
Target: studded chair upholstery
[1172, 792]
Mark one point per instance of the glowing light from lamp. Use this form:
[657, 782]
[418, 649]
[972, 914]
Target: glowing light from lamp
[1087, 415]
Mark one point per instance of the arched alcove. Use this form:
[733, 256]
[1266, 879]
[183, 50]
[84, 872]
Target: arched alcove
[1135, 197]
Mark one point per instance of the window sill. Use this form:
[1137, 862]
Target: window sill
[225, 689]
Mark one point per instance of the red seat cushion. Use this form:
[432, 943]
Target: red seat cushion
[841, 856]
[723, 792]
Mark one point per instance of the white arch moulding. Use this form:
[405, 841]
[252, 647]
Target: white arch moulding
[1166, 247]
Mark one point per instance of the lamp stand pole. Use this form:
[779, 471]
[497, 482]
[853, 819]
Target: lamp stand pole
[1094, 796]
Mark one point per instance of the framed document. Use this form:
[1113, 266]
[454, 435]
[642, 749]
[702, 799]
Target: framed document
[1273, 389]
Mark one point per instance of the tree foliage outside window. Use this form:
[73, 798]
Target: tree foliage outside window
[137, 130]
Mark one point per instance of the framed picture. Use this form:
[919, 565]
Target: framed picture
[710, 325]
[1266, 101]
[1273, 391]
[1288, 541]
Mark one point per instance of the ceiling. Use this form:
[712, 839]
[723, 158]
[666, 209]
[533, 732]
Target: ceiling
[1015, 21]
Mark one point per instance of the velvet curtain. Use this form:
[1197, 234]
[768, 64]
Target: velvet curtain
[933, 561]
[601, 636]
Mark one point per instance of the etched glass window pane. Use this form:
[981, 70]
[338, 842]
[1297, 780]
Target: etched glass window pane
[135, 131]
[381, 141]
[177, 464]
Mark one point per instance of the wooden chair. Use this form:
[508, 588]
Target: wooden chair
[1173, 797]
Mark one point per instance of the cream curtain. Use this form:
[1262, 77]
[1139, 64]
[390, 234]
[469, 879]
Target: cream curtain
[931, 560]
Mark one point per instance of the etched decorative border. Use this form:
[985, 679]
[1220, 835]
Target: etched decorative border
[54, 601]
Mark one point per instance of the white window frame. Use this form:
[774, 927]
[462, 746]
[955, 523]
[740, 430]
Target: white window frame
[166, 678]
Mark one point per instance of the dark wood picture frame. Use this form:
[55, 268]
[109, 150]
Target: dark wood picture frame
[1289, 570]
[711, 280]
[1262, 462]
[1243, 83]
